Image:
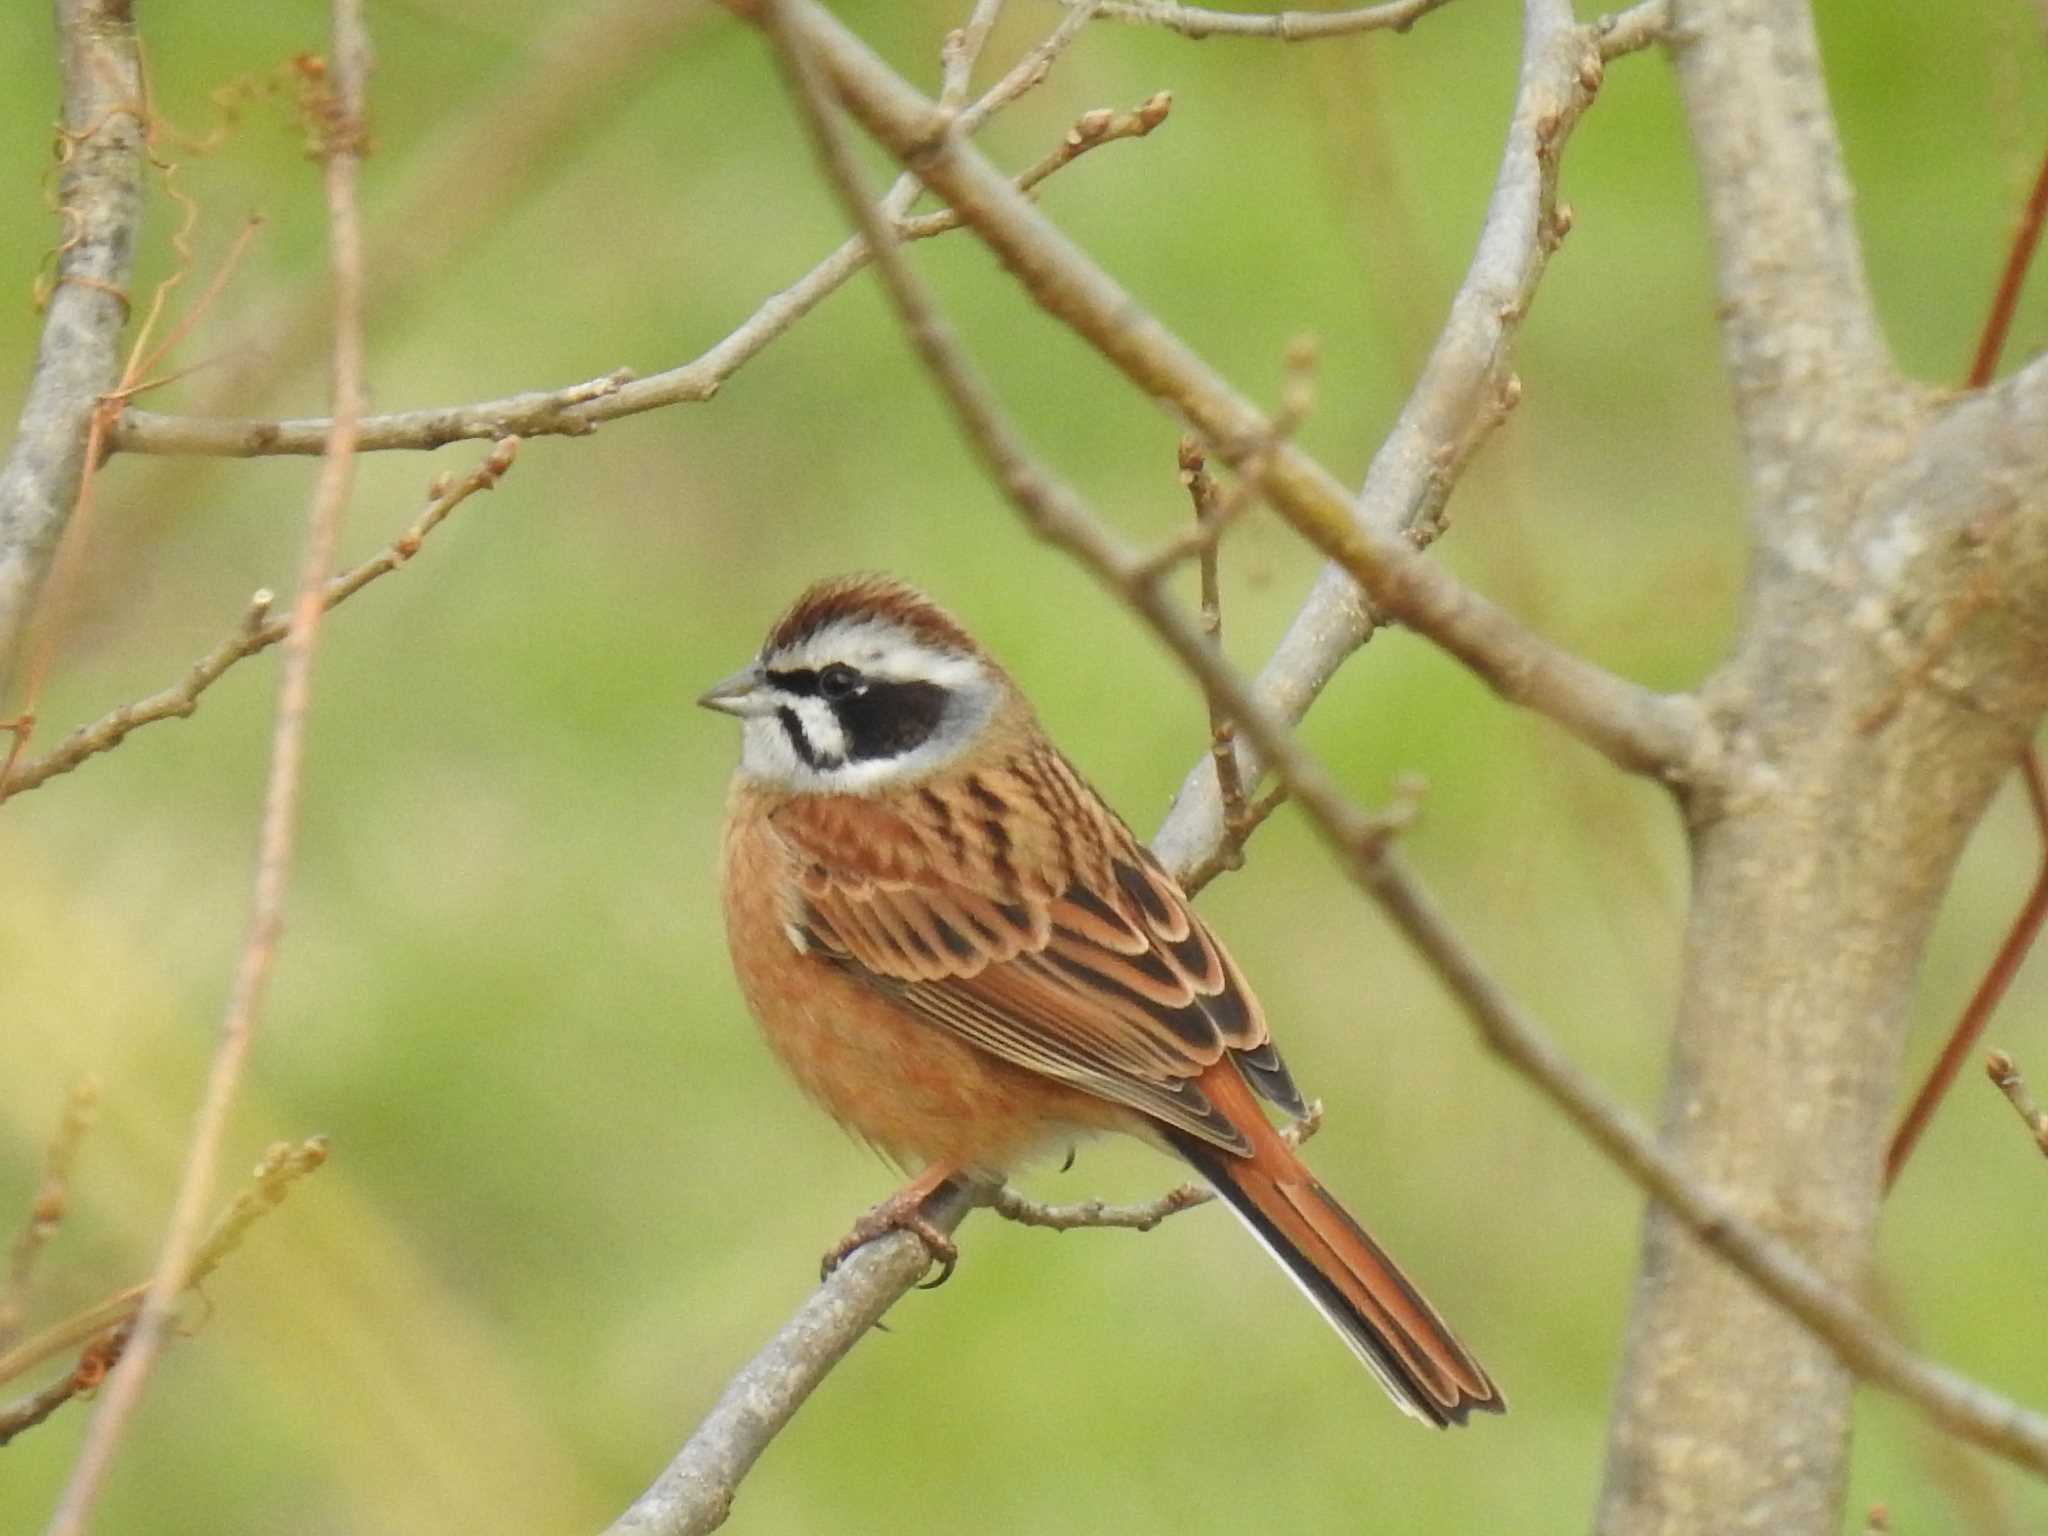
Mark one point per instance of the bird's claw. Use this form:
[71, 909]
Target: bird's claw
[897, 1214]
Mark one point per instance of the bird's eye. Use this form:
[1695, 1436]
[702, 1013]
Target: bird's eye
[838, 680]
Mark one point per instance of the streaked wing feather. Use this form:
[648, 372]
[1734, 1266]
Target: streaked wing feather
[1083, 962]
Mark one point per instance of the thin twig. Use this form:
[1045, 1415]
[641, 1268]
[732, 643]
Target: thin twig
[1142, 1217]
[1201, 488]
[1283, 26]
[47, 1209]
[284, 1164]
[2005, 1075]
[2033, 914]
[1011, 1205]
[98, 1357]
[2006, 298]
[1638, 729]
[1051, 508]
[1991, 988]
[257, 632]
[1465, 390]
[581, 408]
[345, 133]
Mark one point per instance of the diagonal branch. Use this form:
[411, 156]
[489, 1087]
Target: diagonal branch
[1962, 1407]
[580, 408]
[258, 631]
[1638, 729]
[1465, 390]
[695, 1491]
[99, 194]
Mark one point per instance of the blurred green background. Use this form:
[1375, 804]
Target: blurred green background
[570, 1192]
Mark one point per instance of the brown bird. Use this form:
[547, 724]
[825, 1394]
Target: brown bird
[965, 957]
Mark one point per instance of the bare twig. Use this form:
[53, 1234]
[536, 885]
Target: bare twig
[94, 1362]
[282, 1167]
[258, 631]
[577, 63]
[47, 1209]
[1284, 26]
[581, 408]
[1638, 729]
[2033, 914]
[344, 132]
[1009, 1204]
[1457, 401]
[1052, 509]
[1194, 474]
[100, 197]
[2005, 299]
[1638, 27]
[1142, 1217]
[1976, 1014]
[2005, 1075]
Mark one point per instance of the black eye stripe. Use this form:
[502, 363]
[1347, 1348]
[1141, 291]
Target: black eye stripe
[799, 742]
[890, 719]
[803, 681]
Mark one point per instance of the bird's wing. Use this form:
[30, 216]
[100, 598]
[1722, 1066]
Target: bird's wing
[1015, 909]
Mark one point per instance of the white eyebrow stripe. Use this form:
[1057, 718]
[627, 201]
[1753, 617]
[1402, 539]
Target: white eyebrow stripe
[883, 651]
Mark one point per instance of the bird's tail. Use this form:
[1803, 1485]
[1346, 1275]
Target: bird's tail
[1379, 1313]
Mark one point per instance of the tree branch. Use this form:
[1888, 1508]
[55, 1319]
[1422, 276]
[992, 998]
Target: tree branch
[1863, 1344]
[99, 194]
[2005, 1077]
[695, 1492]
[345, 134]
[581, 408]
[1460, 397]
[283, 1166]
[1285, 26]
[46, 1210]
[258, 631]
[1638, 729]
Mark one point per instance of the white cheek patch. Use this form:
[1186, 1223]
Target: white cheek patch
[821, 731]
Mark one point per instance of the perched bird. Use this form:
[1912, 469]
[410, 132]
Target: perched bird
[965, 956]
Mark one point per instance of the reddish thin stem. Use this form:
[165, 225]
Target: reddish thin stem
[2026, 928]
[2011, 954]
[1999, 322]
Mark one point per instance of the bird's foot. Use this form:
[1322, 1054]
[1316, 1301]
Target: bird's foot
[901, 1212]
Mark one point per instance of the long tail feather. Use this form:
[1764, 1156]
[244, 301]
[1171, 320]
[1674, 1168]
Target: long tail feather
[1362, 1292]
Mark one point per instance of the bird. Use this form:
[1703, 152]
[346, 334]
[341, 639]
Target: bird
[964, 956]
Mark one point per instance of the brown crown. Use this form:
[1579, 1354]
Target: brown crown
[869, 596]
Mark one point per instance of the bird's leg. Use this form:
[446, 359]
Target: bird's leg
[903, 1212]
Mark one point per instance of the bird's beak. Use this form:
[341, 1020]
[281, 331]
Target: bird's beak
[735, 695]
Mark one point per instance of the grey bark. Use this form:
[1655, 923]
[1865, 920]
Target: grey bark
[100, 195]
[1891, 667]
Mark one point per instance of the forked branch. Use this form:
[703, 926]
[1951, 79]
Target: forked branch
[1638, 729]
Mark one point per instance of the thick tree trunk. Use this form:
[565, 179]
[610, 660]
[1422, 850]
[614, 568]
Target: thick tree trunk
[1812, 898]
[1893, 663]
